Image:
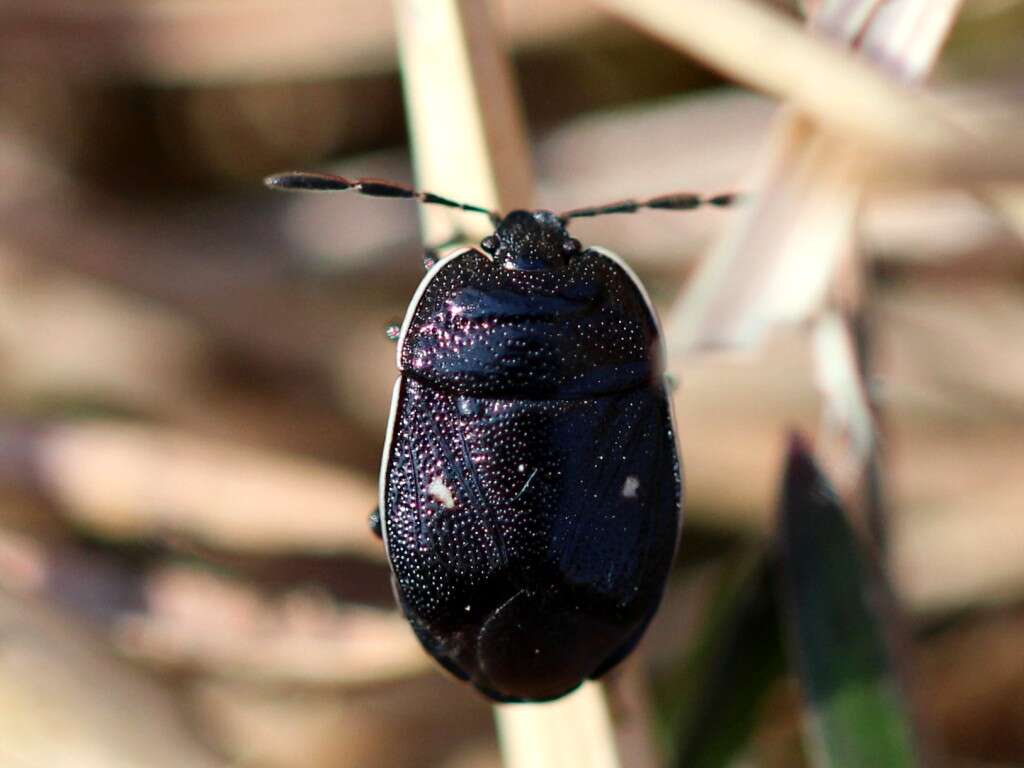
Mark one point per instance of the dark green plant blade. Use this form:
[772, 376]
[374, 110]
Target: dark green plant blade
[854, 712]
[748, 659]
[710, 702]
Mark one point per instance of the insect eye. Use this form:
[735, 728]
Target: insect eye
[489, 244]
[571, 245]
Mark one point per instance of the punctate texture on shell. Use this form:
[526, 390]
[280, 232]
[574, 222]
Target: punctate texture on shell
[530, 488]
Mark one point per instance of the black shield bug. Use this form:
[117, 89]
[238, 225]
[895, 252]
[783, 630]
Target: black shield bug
[530, 493]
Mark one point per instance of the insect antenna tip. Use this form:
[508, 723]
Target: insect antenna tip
[306, 181]
[276, 180]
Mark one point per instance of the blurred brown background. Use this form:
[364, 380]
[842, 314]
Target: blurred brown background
[194, 378]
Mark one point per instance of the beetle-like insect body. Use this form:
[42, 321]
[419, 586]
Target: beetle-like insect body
[530, 490]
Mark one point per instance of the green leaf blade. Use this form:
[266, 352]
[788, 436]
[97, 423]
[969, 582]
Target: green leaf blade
[855, 714]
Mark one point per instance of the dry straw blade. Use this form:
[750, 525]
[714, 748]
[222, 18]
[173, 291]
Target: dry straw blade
[468, 143]
[183, 42]
[135, 482]
[1008, 200]
[64, 700]
[776, 265]
[854, 710]
[196, 620]
[468, 140]
[906, 134]
[574, 731]
[846, 412]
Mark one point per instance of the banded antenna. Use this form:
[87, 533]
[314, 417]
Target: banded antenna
[306, 181]
[309, 181]
[680, 201]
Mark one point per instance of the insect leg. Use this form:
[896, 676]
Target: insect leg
[375, 523]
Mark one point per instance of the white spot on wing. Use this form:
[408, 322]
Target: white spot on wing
[630, 487]
[441, 492]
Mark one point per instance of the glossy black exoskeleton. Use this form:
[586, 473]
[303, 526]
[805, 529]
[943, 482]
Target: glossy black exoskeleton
[530, 492]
